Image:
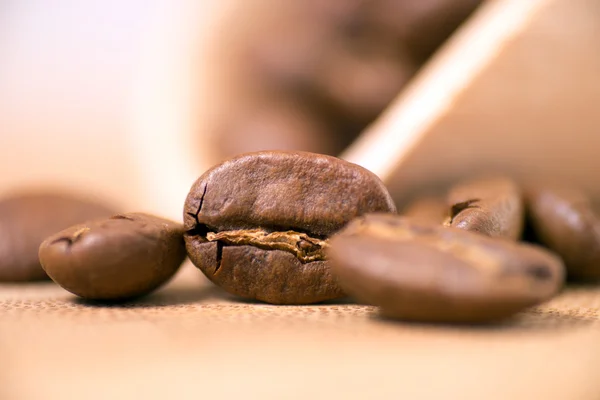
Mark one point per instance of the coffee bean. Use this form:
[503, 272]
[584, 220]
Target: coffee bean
[122, 257]
[257, 224]
[428, 209]
[564, 219]
[26, 219]
[492, 206]
[426, 272]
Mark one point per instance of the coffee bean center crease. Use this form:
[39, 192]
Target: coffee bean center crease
[305, 248]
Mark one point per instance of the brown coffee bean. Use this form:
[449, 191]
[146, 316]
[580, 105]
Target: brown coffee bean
[420, 271]
[428, 209]
[26, 219]
[564, 219]
[492, 206]
[122, 257]
[257, 224]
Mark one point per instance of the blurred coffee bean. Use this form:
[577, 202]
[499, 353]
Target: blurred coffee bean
[418, 271]
[27, 219]
[118, 258]
[564, 219]
[490, 206]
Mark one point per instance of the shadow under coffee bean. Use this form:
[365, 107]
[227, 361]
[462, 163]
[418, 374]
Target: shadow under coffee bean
[419, 271]
[258, 224]
[170, 296]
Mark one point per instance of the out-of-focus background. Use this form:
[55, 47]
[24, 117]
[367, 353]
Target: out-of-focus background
[130, 101]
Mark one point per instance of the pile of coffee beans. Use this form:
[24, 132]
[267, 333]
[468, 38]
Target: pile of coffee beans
[290, 227]
[311, 75]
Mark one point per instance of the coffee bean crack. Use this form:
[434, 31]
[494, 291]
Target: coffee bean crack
[305, 248]
[302, 245]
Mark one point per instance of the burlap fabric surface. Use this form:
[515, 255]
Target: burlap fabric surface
[192, 341]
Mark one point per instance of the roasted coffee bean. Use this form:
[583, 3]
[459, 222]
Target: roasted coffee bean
[492, 206]
[426, 272]
[122, 257]
[257, 224]
[564, 219]
[428, 209]
[26, 219]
